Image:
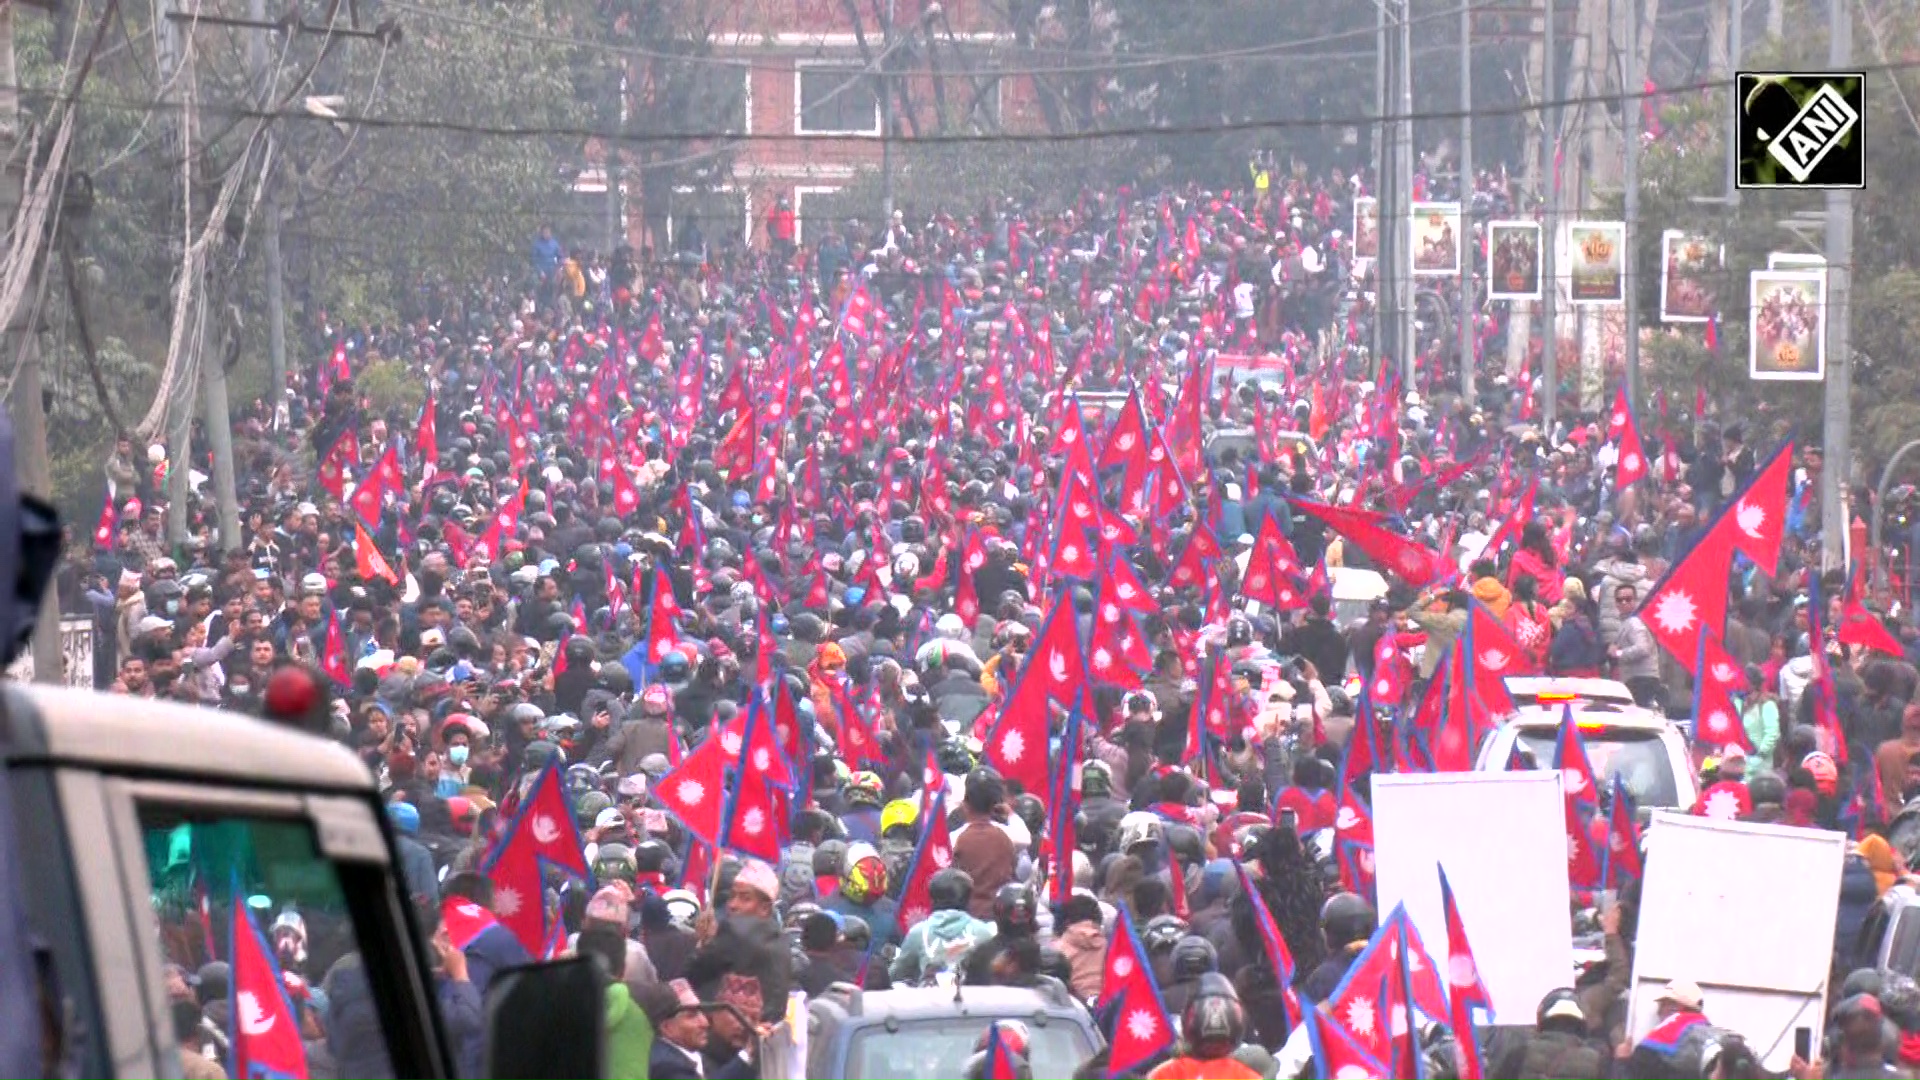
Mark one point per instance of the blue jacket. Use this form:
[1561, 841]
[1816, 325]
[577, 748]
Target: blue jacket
[493, 951]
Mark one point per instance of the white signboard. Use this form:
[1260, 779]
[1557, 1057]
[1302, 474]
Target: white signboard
[1502, 838]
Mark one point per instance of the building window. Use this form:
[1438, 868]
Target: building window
[836, 100]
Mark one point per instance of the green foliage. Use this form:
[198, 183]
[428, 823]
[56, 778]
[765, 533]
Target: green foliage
[391, 387]
[79, 433]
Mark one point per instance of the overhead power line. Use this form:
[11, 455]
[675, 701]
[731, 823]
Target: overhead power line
[1114, 62]
[510, 131]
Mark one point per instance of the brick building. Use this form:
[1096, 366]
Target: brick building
[811, 105]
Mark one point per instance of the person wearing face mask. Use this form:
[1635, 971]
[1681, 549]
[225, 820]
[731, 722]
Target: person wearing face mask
[455, 771]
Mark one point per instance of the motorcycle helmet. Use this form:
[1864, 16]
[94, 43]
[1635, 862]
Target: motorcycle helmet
[682, 907]
[1345, 919]
[588, 806]
[1014, 909]
[864, 789]
[829, 858]
[1162, 933]
[614, 861]
[899, 814]
[581, 779]
[865, 879]
[1214, 1022]
[1096, 780]
[1193, 956]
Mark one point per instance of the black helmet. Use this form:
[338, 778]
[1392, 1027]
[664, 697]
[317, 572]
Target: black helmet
[1096, 779]
[1214, 1022]
[1239, 631]
[1561, 1004]
[1031, 812]
[1345, 919]
[1193, 956]
[612, 861]
[829, 857]
[1162, 933]
[950, 890]
[1013, 910]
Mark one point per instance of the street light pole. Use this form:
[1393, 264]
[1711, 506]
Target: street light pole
[1633, 105]
[1838, 468]
[1549, 231]
[1469, 296]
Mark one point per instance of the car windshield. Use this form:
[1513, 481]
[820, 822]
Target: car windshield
[1638, 758]
[940, 1047]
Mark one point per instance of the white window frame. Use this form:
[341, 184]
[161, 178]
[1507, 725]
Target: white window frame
[800, 193]
[746, 207]
[800, 68]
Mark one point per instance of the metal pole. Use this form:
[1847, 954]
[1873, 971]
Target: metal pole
[1631, 85]
[28, 404]
[1880, 512]
[886, 123]
[1549, 232]
[1838, 469]
[275, 268]
[1735, 46]
[1382, 148]
[1469, 296]
[1403, 226]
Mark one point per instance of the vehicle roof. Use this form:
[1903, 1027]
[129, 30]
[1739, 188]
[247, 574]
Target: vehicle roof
[60, 726]
[1534, 685]
[923, 1002]
[1618, 717]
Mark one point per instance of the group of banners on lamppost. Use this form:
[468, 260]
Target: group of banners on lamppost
[1786, 301]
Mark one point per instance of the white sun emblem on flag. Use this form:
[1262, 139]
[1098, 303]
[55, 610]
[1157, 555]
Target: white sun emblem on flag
[1070, 553]
[1494, 659]
[1751, 518]
[1618, 420]
[1102, 658]
[1126, 590]
[1124, 441]
[1012, 746]
[753, 822]
[1675, 611]
[1725, 673]
[1723, 805]
[1142, 1025]
[1630, 463]
[505, 519]
[942, 855]
[506, 901]
[1122, 966]
[1383, 687]
[1411, 562]
[1461, 972]
[1360, 1016]
[1573, 848]
[1110, 613]
[1346, 818]
[1575, 780]
[691, 792]
[1057, 665]
[730, 742]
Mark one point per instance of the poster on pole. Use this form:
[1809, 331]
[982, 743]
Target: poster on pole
[1366, 227]
[1687, 265]
[1795, 260]
[1597, 262]
[1513, 254]
[1786, 332]
[1436, 239]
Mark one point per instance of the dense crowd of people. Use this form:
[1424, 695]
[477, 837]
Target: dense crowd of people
[845, 498]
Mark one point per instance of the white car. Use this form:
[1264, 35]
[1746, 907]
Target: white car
[1641, 746]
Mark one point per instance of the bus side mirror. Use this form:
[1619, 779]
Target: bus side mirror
[547, 1020]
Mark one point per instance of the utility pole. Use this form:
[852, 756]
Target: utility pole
[1469, 296]
[28, 404]
[1549, 232]
[1403, 218]
[886, 121]
[1835, 476]
[1382, 171]
[275, 267]
[1632, 106]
